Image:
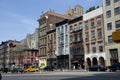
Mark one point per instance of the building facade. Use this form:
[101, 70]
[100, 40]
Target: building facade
[47, 37]
[62, 44]
[94, 44]
[111, 9]
[32, 40]
[76, 42]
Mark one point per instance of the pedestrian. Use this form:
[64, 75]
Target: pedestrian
[0, 76]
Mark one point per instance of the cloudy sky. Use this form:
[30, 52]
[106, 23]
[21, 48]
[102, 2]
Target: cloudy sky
[19, 17]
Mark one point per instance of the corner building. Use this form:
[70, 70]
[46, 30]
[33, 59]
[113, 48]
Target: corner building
[111, 9]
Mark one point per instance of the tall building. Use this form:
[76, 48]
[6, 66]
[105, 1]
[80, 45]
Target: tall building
[76, 42]
[77, 11]
[111, 9]
[94, 44]
[47, 37]
[32, 40]
[62, 44]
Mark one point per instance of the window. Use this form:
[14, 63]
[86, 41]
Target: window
[117, 24]
[109, 26]
[75, 27]
[107, 2]
[108, 14]
[87, 48]
[100, 44]
[87, 36]
[99, 21]
[70, 28]
[110, 39]
[116, 1]
[58, 30]
[80, 37]
[62, 29]
[93, 48]
[99, 33]
[114, 53]
[80, 26]
[76, 37]
[66, 28]
[86, 25]
[92, 23]
[71, 38]
[66, 39]
[117, 10]
[93, 34]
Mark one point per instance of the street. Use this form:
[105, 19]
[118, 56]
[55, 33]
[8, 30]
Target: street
[64, 76]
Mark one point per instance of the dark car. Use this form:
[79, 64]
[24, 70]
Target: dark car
[17, 70]
[114, 67]
[48, 68]
[97, 68]
[4, 70]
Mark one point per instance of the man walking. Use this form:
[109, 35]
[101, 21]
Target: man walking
[0, 76]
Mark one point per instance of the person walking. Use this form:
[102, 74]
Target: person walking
[0, 76]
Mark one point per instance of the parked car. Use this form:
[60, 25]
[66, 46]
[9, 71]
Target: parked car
[4, 70]
[97, 68]
[17, 70]
[48, 68]
[114, 67]
[30, 69]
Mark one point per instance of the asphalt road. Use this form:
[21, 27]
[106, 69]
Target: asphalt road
[64, 76]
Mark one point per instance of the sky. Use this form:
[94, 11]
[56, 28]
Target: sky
[19, 17]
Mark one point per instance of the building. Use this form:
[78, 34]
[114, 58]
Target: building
[29, 57]
[32, 40]
[62, 44]
[94, 43]
[7, 55]
[76, 42]
[47, 36]
[77, 11]
[111, 10]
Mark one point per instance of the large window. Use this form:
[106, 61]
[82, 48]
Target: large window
[66, 39]
[87, 36]
[80, 26]
[110, 39]
[99, 21]
[71, 39]
[75, 27]
[93, 48]
[107, 2]
[113, 55]
[86, 25]
[92, 23]
[109, 26]
[66, 28]
[80, 37]
[70, 28]
[108, 14]
[87, 48]
[117, 24]
[76, 37]
[117, 10]
[99, 33]
[93, 34]
[100, 44]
